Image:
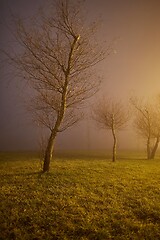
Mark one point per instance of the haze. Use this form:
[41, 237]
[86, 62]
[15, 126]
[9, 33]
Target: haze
[132, 69]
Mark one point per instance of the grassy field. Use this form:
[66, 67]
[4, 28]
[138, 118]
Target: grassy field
[81, 198]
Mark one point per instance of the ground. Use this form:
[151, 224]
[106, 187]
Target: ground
[80, 198]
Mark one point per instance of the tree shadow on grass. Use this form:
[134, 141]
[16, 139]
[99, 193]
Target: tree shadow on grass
[131, 158]
[38, 173]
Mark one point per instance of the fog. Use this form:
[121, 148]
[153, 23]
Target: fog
[132, 69]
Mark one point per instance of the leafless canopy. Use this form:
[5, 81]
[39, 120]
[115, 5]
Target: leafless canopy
[56, 56]
[108, 112]
[147, 117]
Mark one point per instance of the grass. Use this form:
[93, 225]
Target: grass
[81, 198]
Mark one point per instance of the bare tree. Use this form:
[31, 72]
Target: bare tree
[111, 115]
[57, 54]
[147, 123]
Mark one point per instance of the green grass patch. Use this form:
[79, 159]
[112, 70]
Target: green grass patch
[80, 198]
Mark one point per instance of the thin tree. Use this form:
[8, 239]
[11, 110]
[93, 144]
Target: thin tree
[56, 59]
[147, 124]
[111, 115]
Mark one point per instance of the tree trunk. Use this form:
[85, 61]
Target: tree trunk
[114, 153]
[48, 153]
[50, 146]
[148, 148]
[114, 148]
[152, 155]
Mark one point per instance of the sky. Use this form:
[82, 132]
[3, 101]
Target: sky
[132, 27]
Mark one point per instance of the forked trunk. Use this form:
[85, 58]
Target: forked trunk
[152, 155]
[48, 153]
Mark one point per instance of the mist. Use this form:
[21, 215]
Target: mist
[131, 69]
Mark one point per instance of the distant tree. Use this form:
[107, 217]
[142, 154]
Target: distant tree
[147, 123]
[111, 115]
[56, 59]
